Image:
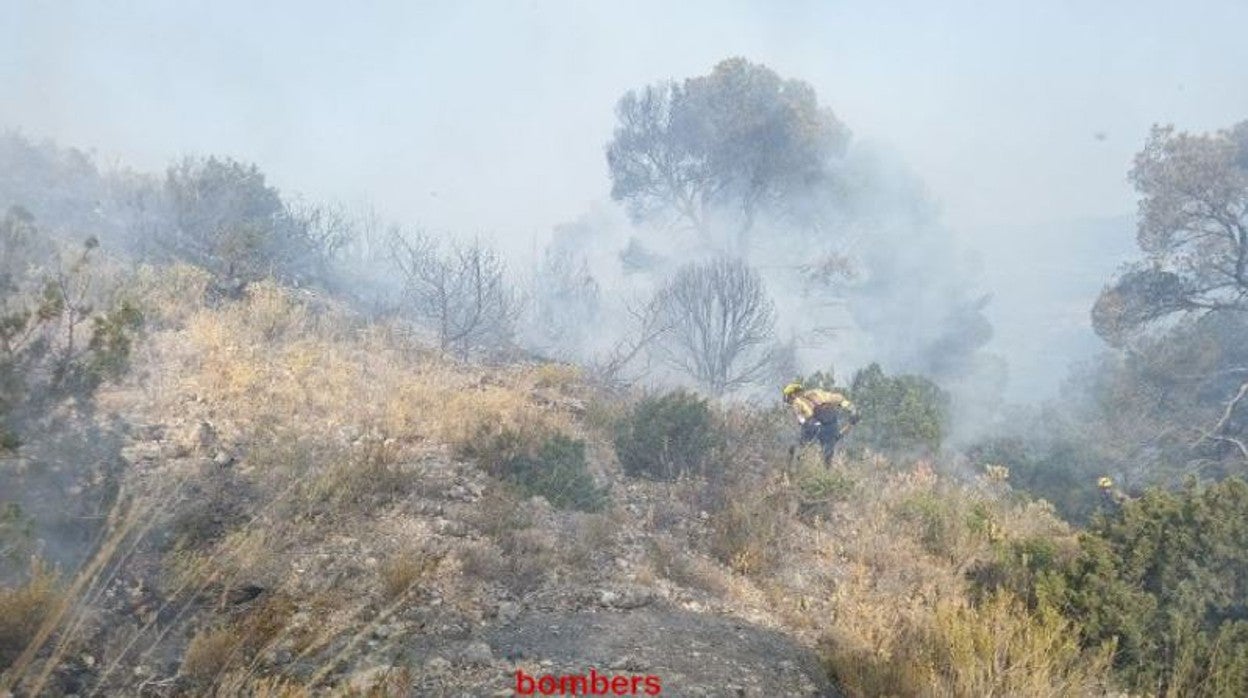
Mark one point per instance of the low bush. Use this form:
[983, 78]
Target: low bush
[401, 574]
[521, 562]
[948, 526]
[555, 469]
[1026, 567]
[999, 648]
[1061, 473]
[995, 648]
[667, 436]
[818, 488]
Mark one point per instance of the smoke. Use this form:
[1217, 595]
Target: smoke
[861, 269]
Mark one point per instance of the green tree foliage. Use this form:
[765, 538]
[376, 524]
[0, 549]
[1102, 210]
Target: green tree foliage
[720, 148]
[666, 436]
[1166, 578]
[61, 337]
[1170, 402]
[55, 345]
[1063, 473]
[65, 190]
[1170, 406]
[225, 218]
[216, 213]
[899, 412]
[1193, 231]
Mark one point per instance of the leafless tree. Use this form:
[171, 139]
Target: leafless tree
[461, 292]
[645, 326]
[564, 303]
[719, 324]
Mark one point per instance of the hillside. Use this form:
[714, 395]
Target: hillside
[311, 503]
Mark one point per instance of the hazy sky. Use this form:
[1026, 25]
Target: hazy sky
[491, 118]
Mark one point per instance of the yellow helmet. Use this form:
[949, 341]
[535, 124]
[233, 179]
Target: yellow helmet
[1104, 483]
[792, 389]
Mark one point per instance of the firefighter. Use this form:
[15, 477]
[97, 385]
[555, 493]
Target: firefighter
[822, 415]
[1111, 497]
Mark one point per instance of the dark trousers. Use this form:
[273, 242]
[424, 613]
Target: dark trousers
[824, 429]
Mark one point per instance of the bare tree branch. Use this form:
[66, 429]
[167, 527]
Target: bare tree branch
[462, 294]
[1212, 434]
[721, 324]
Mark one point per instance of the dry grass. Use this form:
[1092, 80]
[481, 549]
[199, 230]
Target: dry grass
[273, 359]
[749, 527]
[900, 621]
[167, 296]
[405, 571]
[593, 537]
[1001, 649]
[673, 561]
[335, 415]
[998, 649]
[23, 609]
[242, 683]
[209, 653]
[521, 562]
[499, 513]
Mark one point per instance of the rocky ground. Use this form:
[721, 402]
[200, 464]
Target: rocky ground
[510, 585]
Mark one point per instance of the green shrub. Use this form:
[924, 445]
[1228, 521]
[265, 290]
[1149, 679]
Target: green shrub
[557, 471]
[1063, 473]
[1028, 568]
[47, 297]
[818, 488]
[1166, 577]
[666, 436]
[946, 525]
[899, 413]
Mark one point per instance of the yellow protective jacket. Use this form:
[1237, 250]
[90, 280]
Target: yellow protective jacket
[807, 402]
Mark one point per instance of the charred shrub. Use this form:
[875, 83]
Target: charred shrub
[666, 436]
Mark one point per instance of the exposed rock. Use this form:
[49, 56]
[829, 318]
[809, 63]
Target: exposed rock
[476, 654]
[450, 527]
[508, 611]
[625, 598]
[437, 665]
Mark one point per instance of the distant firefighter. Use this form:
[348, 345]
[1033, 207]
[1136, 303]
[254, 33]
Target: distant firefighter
[823, 415]
[1111, 497]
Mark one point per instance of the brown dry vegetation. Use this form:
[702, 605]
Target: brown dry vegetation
[327, 463]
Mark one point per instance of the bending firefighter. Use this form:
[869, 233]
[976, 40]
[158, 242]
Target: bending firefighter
[1112, 498]
[824, 416]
